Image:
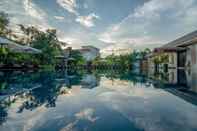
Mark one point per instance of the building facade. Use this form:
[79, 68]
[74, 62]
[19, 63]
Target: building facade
[89, 53]
[178, 54]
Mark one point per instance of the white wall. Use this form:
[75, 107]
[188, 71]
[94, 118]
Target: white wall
[192, 57]
[91, 54]
[151, 66]
[173, 59]
[173, 78]
[192, 80]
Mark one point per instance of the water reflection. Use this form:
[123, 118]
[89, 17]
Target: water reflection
[97, 100]
[177, 78]
[182, 83]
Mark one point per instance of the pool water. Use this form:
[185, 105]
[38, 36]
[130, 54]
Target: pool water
[93, 101]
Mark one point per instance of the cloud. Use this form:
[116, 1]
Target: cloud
[59, 18]
[106, 37]
[85, 6]
[87, 21]
[38, 16]
[69, 5]
[154, 22]
[73, 42]
[32, 10]
[126, 45]
[25, 12]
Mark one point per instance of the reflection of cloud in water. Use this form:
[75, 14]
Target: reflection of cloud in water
[70, 126]
[151, 109]
[25, 121]
[89, 81]
[110, 103]
[114, 82]
[86, 114]
[75, 90]
[128, 89]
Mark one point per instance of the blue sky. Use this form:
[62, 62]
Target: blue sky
[107, 23]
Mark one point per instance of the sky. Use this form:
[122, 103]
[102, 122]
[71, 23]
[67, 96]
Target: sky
[107, 24]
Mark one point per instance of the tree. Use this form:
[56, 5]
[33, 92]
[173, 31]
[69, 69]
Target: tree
[79, 60]
[4, 21]
[48, 43]
[30, 32]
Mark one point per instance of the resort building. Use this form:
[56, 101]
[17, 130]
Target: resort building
[89, 53]
[165, 58]
[178, 54]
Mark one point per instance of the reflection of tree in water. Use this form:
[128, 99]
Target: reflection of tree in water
[90, 81]
[45, 95]
[50, 86]
[122, 75]
[3, 114]
[47, 92]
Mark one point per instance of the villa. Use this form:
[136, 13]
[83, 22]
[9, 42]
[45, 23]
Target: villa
[89, 53]
[178, 54]
[187, 56]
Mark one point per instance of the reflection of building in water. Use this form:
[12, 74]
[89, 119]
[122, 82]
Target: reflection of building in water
[172, 76]
[179, 83]
[192, 80]
[168, 78]
[89, 53]
[89, 81]
[151, 65]
[180, 78]
[187, 86]
[136, 64]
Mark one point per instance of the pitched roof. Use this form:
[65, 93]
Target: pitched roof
[18, 48]
[188, 39]
[169, 49]
[90, 47]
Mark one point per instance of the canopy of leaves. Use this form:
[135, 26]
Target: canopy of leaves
[4, 21]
